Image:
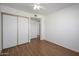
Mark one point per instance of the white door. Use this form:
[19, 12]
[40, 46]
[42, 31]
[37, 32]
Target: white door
[9, 31]
[34, 28]
[22, 30]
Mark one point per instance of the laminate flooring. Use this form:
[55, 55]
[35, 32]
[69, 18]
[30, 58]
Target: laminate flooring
[38, 48]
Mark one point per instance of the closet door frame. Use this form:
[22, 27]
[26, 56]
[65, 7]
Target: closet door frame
[2, 13]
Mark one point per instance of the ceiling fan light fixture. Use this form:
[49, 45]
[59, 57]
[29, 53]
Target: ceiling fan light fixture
[36, 7]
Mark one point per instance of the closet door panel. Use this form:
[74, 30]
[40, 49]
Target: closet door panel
[22, 30]
[9, 31]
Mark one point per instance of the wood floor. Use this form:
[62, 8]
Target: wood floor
[39, 48]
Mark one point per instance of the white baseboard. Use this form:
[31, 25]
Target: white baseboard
[64, 46]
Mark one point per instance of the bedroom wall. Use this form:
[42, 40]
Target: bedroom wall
[0, 30]
[62, 27]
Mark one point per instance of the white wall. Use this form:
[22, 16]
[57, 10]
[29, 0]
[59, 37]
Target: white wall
[62, 27]
[0, 30]
[10, 10]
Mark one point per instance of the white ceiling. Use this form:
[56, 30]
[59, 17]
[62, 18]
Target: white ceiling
[48, 7]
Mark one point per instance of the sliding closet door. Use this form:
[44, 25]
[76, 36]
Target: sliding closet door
[22, 30]
[9, 31]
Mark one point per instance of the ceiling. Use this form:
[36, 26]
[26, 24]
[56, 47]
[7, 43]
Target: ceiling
[47, 7]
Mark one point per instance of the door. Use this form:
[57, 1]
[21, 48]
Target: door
[9, 31]
[35, 28]
[22, 30]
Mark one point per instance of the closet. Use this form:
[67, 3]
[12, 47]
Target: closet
[15, 30]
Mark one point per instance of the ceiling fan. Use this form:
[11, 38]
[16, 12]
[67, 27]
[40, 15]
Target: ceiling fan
[37, 6]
